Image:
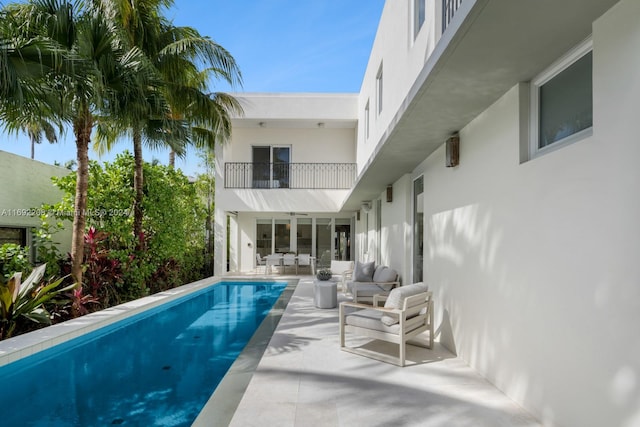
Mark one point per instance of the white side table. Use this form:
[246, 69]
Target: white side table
[325, 294]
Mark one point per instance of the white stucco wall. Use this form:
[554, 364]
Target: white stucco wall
[334, 143]
[402, 57]
[534, 265]
[396, 229]
[313, 145]
[26, 184]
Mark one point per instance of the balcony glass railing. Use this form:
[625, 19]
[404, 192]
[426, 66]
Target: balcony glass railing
[336, 176]
[449, 8]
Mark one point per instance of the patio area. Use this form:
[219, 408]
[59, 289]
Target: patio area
[304, 379]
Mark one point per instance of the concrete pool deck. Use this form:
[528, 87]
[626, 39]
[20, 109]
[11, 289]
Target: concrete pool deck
[303, 379]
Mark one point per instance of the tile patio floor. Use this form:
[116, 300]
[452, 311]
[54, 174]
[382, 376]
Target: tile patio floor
[303, 379]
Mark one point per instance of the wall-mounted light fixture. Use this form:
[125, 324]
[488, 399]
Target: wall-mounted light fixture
[453, 150]
[320, 124]
[366, 206]
[262, 124]
[389, 193]
[358, 216]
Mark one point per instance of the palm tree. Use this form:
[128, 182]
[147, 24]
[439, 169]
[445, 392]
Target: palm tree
[36, 130]
[26, 105]
[102, 68]
[181, 113]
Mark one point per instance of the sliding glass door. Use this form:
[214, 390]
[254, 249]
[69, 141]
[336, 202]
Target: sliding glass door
[271, 166]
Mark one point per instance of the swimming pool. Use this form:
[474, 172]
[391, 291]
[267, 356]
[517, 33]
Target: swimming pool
[157, 368]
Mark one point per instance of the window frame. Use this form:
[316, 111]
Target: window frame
[24, 235]
[379, 90]
[417, 23]
[366, 120]
[272, 174]
[563, 63]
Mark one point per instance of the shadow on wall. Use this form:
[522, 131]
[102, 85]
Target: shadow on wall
[445, 333]
[527, 328]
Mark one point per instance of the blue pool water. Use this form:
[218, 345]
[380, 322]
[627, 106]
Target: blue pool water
[157, 368]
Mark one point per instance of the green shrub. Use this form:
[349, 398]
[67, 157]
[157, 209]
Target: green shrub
[14, 258]
[173, 240]
[24, 301]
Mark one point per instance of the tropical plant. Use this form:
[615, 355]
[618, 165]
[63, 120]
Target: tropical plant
[174, 235]
[46, 248]
[181, 112]
[104, 69]
[103, 273]
[13, 258]
[24, 301]
[205, 188]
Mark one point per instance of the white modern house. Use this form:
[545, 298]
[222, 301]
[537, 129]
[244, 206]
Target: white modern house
[529, 238]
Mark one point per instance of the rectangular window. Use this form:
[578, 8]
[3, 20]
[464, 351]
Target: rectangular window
[418, 16]
[342, 239]
[304, 236]
[418, 228]
[323, 242]
[264, 233]
[16, 235]
[271, 166]
[562, 101]
[282, 232]
[379, 89]
[366, 121]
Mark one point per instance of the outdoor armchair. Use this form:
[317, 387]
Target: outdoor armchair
[407, 313]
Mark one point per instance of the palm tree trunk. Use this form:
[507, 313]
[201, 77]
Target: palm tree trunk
[172, 159]
[82, 128]
[138, 182]
[33, 148]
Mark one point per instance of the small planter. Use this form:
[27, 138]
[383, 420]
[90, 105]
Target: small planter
[324, 275]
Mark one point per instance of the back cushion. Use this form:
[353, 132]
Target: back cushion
[384, 274]
[363, 272]
[396, 300]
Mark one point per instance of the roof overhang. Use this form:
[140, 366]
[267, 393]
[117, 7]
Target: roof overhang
[490, 46]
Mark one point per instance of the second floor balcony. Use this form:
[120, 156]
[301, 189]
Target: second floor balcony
[334, 176]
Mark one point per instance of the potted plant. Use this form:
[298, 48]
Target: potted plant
[324, 274]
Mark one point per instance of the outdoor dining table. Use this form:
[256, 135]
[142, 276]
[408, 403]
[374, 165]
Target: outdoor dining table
[278, 260]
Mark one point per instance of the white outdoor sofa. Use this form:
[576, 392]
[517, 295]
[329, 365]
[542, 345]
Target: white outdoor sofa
[368, 280]
[407, 313]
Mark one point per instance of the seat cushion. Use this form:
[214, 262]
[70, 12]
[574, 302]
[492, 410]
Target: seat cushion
[365, 289]
[371, 319]
[363, 271]
[384, 274]
[396, 300]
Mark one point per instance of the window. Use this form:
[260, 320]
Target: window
[562, 101]
[271, 166]
[14, 235]
[379, 89]
[323, 242]
[304, 236]
[264, 237]
[282, 232]
[418, 228]
[418, 16]
[366, 121]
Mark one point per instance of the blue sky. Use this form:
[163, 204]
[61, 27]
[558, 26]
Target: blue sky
[280, 46]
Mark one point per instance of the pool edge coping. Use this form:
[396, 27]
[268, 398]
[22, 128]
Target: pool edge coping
[222, 404]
